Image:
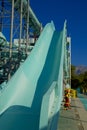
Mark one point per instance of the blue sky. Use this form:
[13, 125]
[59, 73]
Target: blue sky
[75, 12]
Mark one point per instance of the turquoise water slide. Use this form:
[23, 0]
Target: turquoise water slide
[32, 98]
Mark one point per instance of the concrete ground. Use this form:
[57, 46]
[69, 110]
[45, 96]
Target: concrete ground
[74, 118]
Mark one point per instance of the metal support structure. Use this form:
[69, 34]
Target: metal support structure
[65, 61]
[69, 58]
[41, 28]
[11, 31]
[27, 36]
[16, 20]
[20, 24]
[20, 33]
[11, 36]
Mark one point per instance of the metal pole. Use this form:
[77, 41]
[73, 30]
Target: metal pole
[11, 37]
[11, 31]
[20, 35]
[27, 37]
[70, 60]
[41, 28]
[20, 24]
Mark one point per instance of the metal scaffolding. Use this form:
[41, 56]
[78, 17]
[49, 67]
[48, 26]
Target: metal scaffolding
[16, 22]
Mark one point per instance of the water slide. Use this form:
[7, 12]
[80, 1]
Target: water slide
[31, 100]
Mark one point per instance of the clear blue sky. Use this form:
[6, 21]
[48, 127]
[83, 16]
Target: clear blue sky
[75, 12]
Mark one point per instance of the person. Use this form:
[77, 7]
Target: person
[67, 102]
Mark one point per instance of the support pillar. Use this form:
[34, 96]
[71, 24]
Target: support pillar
[11, 37]
[27, 35]
[20, 35]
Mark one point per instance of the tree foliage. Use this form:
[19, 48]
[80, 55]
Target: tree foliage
[78, 81]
